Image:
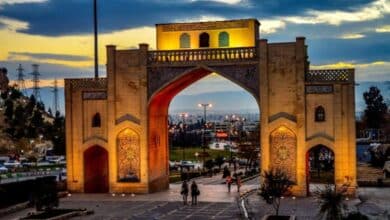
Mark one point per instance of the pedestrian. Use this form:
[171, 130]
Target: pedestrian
[194, 193]
[238, 181]
[184, 191]
[229, 182]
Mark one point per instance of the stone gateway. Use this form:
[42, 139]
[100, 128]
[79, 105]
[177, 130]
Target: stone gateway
[117, 126]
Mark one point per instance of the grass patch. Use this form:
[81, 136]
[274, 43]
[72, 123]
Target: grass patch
[176, 154]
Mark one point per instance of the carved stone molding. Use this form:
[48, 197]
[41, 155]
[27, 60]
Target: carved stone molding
[330, 75]
[323, 135]
[204, 25]
[319, 89]
[87, 83]
[128, 154]
[127, 117]
[95, 137]
[283, 148]
[282, 115]
[94, 95]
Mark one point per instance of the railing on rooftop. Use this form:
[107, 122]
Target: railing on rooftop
[196, 55]
[330, 75]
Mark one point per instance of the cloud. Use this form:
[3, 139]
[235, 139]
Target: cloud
[229, 2]
[375, 10]
[269, 26]
[352, 36]
[12, 2]
[13, 24]
[383, 29]
[42, 83]
[201, 18]
[46, 56]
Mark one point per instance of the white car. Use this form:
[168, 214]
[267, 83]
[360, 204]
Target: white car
[12, 164]
[3, 169]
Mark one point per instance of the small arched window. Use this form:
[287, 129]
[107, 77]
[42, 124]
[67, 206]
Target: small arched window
[185, 40]
[319, 114]
[96, 122]
[204, 40]
[223, 39]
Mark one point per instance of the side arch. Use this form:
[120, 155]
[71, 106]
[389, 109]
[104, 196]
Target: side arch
[283, 151]
[128, 156]
[95, 170]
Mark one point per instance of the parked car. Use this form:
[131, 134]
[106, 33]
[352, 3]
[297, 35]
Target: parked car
[386, 169]
[3, 169]
[12, 164]
[185, 164]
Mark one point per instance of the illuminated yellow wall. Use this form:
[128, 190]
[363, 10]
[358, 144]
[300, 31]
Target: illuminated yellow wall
[242, 33]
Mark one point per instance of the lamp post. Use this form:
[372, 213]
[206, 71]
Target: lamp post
[204, 106]
[231, 119]
[183, 130]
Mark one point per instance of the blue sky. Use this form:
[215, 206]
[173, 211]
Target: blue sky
[57, 34]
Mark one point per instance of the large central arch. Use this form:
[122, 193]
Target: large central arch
[158, 117]
[140, 84]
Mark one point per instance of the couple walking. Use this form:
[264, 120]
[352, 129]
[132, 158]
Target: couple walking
[194, 192]
[229, 182]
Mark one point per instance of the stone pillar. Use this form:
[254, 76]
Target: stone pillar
[262, 51]
[111, 111]
[300, 106]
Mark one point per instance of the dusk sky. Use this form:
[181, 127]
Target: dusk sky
[57, 34]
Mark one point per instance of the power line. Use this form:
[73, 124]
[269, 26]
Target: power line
[55, 97]
[20, 80]
[35, 81]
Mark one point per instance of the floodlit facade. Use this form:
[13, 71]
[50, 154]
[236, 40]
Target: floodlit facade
[116, 127]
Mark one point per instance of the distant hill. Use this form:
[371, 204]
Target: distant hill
[228, 101]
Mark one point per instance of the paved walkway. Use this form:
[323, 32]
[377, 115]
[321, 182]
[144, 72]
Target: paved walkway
[214, 203]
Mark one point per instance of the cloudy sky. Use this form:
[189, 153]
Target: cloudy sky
[57, 34]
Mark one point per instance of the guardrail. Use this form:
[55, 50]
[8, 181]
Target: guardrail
[196, 55]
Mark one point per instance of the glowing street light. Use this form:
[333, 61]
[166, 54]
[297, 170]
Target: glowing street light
[204, 106]
[183, 116]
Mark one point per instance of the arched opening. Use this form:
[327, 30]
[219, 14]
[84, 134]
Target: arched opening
[96, 121]
[185, 40]
[283, 150]
[158, 124]
[319, 114]
[128, 154]
[204, 40]
[319, 166]
[95, 170]
[223, 39]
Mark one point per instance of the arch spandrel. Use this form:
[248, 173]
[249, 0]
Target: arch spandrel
[245, 75]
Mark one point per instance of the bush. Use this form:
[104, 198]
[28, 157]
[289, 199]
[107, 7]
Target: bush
[356, 216]
[45, 193]
[331, 202]
[276, 184]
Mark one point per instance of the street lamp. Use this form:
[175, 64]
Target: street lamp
[204, 106]
[183, 116]
[231, 119]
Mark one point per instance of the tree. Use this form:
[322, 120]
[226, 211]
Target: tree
[331, 201]
[9, 109]
[276, 184]
[219, 160]
[58, 133]
[376, 108]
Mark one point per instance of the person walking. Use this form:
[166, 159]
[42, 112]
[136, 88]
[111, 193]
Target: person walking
[184, 191]
[238, 181]
[229, 181]
[194, 193]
